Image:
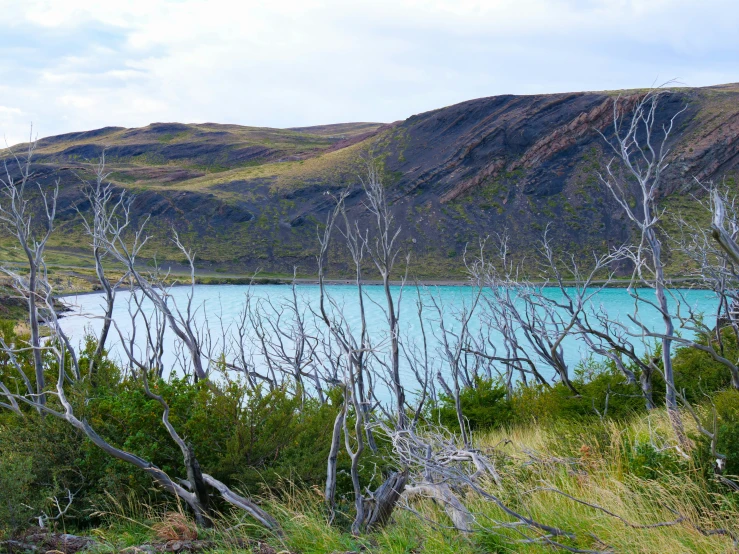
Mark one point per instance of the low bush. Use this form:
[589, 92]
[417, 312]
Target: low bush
[698, 374]
[603, 393]
[726, 404]
[18, 495]
[484, 406]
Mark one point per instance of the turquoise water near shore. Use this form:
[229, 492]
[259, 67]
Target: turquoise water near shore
[218, 307]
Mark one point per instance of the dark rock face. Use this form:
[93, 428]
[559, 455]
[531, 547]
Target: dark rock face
[189, 150]
[506, 163]
[86, 151]
[455, 149]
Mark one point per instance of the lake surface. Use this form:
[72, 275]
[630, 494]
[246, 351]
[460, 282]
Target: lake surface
[219, 308]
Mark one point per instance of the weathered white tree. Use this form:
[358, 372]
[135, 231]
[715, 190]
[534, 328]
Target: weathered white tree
[104, 206]
[31, 225]
[642, 151]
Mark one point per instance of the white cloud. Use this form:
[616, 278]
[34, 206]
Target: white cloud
[6, 111]
[83, 64]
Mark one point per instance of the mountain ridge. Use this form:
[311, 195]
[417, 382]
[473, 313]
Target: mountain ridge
[248, 197]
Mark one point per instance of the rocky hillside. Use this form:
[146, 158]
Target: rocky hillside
[249, 198]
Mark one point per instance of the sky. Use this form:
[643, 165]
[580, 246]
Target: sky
[73, 65]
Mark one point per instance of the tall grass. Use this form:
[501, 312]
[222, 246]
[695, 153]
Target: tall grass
[658, 500]
[642, 497]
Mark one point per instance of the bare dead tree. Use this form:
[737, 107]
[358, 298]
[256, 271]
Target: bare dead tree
[146, 359]
[421, 361]
[642, 153]
[535, 317]
[236, 352]
[716, 269]
[333, 456]
[455, 344]
[353, 362]
[514, 357]
[532, 324]
[18, 218]
[713, 266]
[381, 242]
[104, 208]
[111, 221]
[286, 341]
[356, 244]
[362, 361]
[155, 287]
[382, 247]
[724, 227]
[611, 339]
[439, 467]
[604, 336]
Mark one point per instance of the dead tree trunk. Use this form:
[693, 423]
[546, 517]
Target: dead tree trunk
[379, 507]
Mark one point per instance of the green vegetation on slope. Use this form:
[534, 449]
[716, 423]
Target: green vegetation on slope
[252, 198]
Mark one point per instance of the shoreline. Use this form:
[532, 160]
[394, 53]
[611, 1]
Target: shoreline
[686, 281]
[286, 282]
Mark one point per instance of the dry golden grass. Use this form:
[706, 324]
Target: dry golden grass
[674, 510]
[175, 526]
[546, 469]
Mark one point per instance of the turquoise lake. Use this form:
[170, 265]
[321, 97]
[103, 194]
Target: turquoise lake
[221, 305]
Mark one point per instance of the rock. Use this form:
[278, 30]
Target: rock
[17, 546]
[56, 543]
[174, 546]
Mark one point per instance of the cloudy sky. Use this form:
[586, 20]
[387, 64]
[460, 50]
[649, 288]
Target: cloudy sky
[70, 65]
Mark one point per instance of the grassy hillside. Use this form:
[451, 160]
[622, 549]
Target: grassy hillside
[248, 198]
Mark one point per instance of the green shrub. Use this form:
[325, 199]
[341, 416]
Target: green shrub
[57, 455]
[647, 462]
[603, 392]
[698, 374]
[240, 436]
[727, 412]
[484, 406]
[495, 543]
[16, 478]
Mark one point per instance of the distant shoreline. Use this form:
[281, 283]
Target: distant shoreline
[376, 282]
